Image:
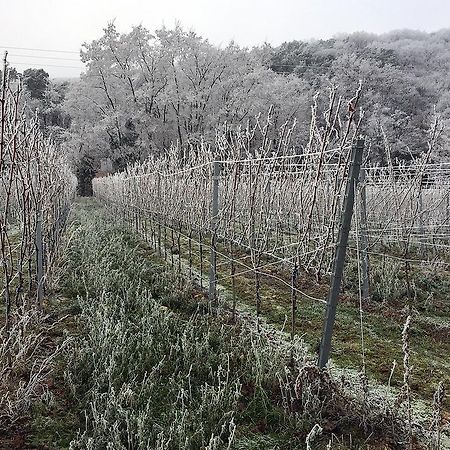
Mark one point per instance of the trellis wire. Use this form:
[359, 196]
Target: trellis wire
[277, 209]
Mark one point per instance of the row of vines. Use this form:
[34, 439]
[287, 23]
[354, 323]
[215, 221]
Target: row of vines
[279, 209]
[253, 210]
[36, 190]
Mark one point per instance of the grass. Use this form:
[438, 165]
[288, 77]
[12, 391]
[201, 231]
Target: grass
[145, 366]
[148, 368]
[383, 317]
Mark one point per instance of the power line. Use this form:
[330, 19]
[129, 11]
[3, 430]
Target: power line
[12, 63]
[44, 57]
[38, 49]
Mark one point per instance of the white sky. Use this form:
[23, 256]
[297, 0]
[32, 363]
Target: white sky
[65, 25]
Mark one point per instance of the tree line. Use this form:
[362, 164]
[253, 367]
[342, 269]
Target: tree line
[145, 91]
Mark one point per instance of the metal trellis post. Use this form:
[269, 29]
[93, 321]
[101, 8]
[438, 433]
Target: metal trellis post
[214, 222]
[364, 240]
[39, 257]
[341, 247]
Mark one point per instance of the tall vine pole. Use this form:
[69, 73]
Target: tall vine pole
[364, 240]
[214, 222]
[341, 248]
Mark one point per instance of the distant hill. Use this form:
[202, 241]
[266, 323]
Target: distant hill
[405, 75]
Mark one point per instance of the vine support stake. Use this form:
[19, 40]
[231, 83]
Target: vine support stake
[341, 247]
[212, 294]
[39, 257]
[364, 239]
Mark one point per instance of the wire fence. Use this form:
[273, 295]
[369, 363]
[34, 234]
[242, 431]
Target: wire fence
[271, 210]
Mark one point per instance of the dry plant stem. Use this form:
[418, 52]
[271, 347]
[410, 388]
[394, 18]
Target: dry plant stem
[293, 305]
[407, 375]
[437, 424]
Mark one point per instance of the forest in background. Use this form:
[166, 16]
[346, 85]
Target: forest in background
[143, 92]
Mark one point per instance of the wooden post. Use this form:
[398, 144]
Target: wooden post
[214, 222]
[341, 247]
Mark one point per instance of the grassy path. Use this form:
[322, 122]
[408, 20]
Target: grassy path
[383, 322]
[146, 366]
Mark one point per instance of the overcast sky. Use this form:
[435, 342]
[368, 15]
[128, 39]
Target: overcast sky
[64, 25]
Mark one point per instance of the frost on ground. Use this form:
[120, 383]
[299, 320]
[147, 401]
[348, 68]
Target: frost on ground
[151, 368]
